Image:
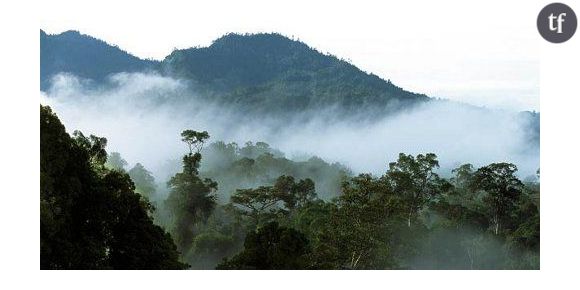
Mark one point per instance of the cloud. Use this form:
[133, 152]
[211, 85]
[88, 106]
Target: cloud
[142, 115]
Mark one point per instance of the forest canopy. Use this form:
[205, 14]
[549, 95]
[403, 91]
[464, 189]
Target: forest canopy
[251, 208]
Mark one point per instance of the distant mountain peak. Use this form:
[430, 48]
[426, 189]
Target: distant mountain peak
[70, 34]
[257, 45]
[257, 39]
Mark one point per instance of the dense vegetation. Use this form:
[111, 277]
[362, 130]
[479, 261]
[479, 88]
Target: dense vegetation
[257, 164]
[271, 73]
[95, 214]
[91, 217]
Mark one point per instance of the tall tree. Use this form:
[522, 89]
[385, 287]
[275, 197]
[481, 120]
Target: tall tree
[191, 199]
[357, 230]
[503, 189]
[256, 203]
[264, 202]
[415, 181]
[294, 194]
[194, 140]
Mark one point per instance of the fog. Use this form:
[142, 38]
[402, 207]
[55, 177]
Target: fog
[142, 115]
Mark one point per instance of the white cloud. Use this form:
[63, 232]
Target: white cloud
[148, 132]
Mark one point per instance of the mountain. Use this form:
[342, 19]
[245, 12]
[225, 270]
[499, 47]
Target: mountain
[84, 56]
[272, 71]
[266, 73]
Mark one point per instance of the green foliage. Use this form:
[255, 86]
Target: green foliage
[191, 199]
[271, 247]
[295, 194]
[357, 232]
[257, 203]
[116, 162]
[463, 234]
[267, 202]
[415, 181]
[194, 139]
[269, 73]
[95, 146]
[144, 181]
[367, 226]
[502, 190]
[258, 164]
[210, 247]
[91, 217]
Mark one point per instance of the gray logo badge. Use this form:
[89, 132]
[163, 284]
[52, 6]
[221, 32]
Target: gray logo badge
[557, 22]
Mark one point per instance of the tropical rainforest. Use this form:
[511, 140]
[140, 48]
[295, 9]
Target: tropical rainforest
[259, 152]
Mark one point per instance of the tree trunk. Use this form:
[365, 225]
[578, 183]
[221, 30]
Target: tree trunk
[496, 225]
[470, 256]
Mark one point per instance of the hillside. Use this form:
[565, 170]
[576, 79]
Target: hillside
[84, 56]
[265, 73]
[272, 71]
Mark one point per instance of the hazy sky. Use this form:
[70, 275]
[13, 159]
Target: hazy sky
[478, 52]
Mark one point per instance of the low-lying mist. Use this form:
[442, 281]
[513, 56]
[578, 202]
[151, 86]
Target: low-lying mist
[142, 115]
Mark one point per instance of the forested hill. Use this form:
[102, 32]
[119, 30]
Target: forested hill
[270, 70]
[84, 56]
[267, 72]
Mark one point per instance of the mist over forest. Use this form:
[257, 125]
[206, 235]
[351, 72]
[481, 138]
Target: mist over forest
[140, 115]
[260, 137]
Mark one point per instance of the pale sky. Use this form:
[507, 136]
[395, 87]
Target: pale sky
[478, 52]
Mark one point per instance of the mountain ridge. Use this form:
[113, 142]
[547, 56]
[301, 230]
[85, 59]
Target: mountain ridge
[263, 72]
[84, 56]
